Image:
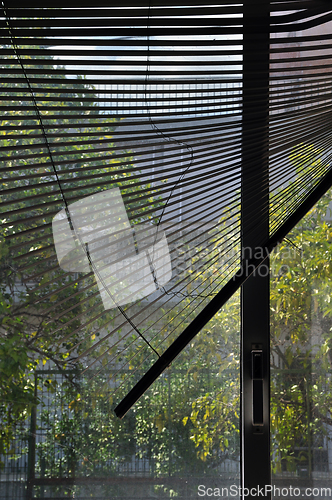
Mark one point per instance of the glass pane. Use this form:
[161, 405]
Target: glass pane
[118, 234]
[301, 382]
[181, 440]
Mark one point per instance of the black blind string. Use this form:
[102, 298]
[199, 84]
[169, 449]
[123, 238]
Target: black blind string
[168, 138]
[173, 139]
[72, 227]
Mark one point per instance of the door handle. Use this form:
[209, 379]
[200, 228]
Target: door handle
[257, 386]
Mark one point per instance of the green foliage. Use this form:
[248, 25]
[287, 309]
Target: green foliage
[16, 386]
[42, 307]
[301, 326]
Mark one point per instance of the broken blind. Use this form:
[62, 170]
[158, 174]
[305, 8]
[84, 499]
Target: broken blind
[122, 162]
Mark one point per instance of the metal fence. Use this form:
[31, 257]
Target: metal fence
[197, 99]
[73, 447]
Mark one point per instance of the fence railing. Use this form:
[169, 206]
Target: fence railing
[73, 447]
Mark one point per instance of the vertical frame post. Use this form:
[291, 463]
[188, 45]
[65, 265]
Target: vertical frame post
[255, 375]
[32, 449]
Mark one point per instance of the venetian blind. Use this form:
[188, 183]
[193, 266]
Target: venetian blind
[123, 136]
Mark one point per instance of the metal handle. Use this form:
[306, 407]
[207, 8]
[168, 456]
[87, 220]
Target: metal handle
[257, 386]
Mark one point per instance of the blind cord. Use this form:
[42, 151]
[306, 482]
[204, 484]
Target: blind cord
[170, 139]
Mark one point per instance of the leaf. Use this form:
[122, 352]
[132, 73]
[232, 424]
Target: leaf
[159, 423]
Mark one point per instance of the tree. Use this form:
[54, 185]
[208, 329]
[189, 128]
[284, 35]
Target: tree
[200, 435]
[39, 303]
[301, 342]
[301, 325]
